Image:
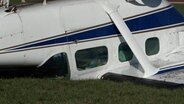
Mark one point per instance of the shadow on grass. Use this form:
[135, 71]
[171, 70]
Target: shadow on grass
[30, 72]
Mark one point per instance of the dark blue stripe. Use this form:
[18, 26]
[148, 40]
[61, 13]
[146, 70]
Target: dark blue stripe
[48, 42]
[171, 69]
[100, 32]
[163, 18]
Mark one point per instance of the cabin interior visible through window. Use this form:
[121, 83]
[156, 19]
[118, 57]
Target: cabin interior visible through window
[91, 58]
[152, 46]
[125, 53]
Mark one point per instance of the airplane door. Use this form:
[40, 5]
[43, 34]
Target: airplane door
[90, 57]
[10, 36]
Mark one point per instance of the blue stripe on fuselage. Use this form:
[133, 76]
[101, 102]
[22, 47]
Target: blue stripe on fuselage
[167, 17]
[95, 33]
[170, 69]
[163, 18]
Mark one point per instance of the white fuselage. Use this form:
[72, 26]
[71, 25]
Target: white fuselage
[35, 33]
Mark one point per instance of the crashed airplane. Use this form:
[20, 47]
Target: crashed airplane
[90, 38]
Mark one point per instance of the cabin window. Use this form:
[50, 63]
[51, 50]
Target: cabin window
[57, 65]
[125, 53]
[152, 46]
[91, 58]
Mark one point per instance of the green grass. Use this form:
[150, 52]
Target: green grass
[56, 91]
[15, 1]
[180, 8]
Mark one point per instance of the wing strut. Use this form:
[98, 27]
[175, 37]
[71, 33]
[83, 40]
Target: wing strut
[148, 68]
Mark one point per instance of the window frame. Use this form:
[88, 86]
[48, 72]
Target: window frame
[124, 43]
[154, 53]
[95, 66]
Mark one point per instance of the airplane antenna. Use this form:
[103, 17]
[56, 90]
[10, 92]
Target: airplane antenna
[44, 2]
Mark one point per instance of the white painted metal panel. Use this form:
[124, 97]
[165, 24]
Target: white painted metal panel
[41, 22]
[10, 29]
[8, 59]
[129, 9]
[181, 37]
[10, 24]
[83, 15]
[11, 35]
[39, 56]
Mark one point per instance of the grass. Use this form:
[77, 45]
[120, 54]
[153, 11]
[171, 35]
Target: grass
[56, 91]
[180, 8]
[15, 1]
